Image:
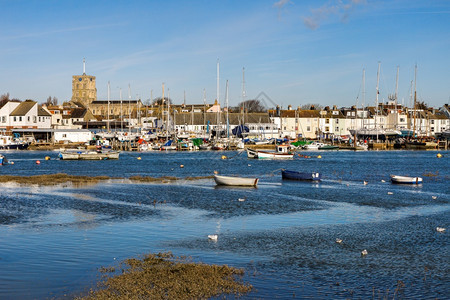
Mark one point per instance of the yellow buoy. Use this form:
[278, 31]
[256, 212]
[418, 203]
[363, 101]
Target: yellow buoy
[438, 155]
[181, 166]
[216, 172]
[224, 157]
[139, 158]
[47, 158]
[319, 156]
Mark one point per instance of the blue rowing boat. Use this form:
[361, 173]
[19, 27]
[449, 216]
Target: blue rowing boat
[294, 175]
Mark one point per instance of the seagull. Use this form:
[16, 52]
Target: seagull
[390, 193]
[338, 240]
[364, 252]
[365, 182]
[434, 197]
[213, 237]
[440, 229]
[241, 199]
[382, 180]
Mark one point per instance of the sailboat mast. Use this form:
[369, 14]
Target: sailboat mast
[364, 98]
[396, 99]
[162, 108]
[243, 95]
[129, 111]
[415, 100]
[204, 112]
[121, 111]
[228, 123]
[378, 92]
[217, 99]
[109, 92]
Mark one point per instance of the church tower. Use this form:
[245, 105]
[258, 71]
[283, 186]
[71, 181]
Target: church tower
[83, 88]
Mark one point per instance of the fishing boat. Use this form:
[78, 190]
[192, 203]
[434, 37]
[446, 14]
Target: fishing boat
[9, 142]
[406, 179]
[294, 175]
[282, 152]
[252, 153]
[313, 146]
[88, 155]
[328, 147]
[235, 181]
[274, 155]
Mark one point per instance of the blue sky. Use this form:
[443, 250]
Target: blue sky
[296, 52]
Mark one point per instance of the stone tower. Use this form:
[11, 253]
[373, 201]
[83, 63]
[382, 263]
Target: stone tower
[83, 88]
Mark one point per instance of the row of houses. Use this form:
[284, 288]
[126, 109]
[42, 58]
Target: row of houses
[200, 119]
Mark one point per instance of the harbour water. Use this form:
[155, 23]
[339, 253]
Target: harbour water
[53, 239]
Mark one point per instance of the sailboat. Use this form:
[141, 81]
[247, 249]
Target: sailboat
[375, 133]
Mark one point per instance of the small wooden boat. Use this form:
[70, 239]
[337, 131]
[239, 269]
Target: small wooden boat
[235, 181]
[328, 147]
[274, 155]
[88, 155]
[294, 175]
[252, 153]
[406, 179]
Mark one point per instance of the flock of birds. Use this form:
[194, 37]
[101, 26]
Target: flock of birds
[215, 237]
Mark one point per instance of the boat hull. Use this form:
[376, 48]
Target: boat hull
[251, 153]
[405, 179]
[274, 155]
[235, 181]
[88, 155]
[294, 175]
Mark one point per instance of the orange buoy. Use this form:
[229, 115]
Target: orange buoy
[38, 162]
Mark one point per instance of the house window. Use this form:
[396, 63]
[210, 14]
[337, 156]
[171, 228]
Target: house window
[402, 120]
[308, 128]
[34, 119]
[337, 121]
[15, 119]
[432, 129]
[336, 129]
[327, 121]
[20, 119]
[29, 119]
[39, 119]
[432, 121]
[64, 135]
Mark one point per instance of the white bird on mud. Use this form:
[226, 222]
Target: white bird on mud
[213, 237]
[364, 252]
[440, 229]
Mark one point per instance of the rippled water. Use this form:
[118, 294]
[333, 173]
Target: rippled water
[53, 239]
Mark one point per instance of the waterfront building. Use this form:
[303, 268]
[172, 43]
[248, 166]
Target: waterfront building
[26, 114]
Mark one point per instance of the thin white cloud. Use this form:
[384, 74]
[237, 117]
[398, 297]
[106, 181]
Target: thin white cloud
[281, 3]
[332, 9]
[58, 31]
